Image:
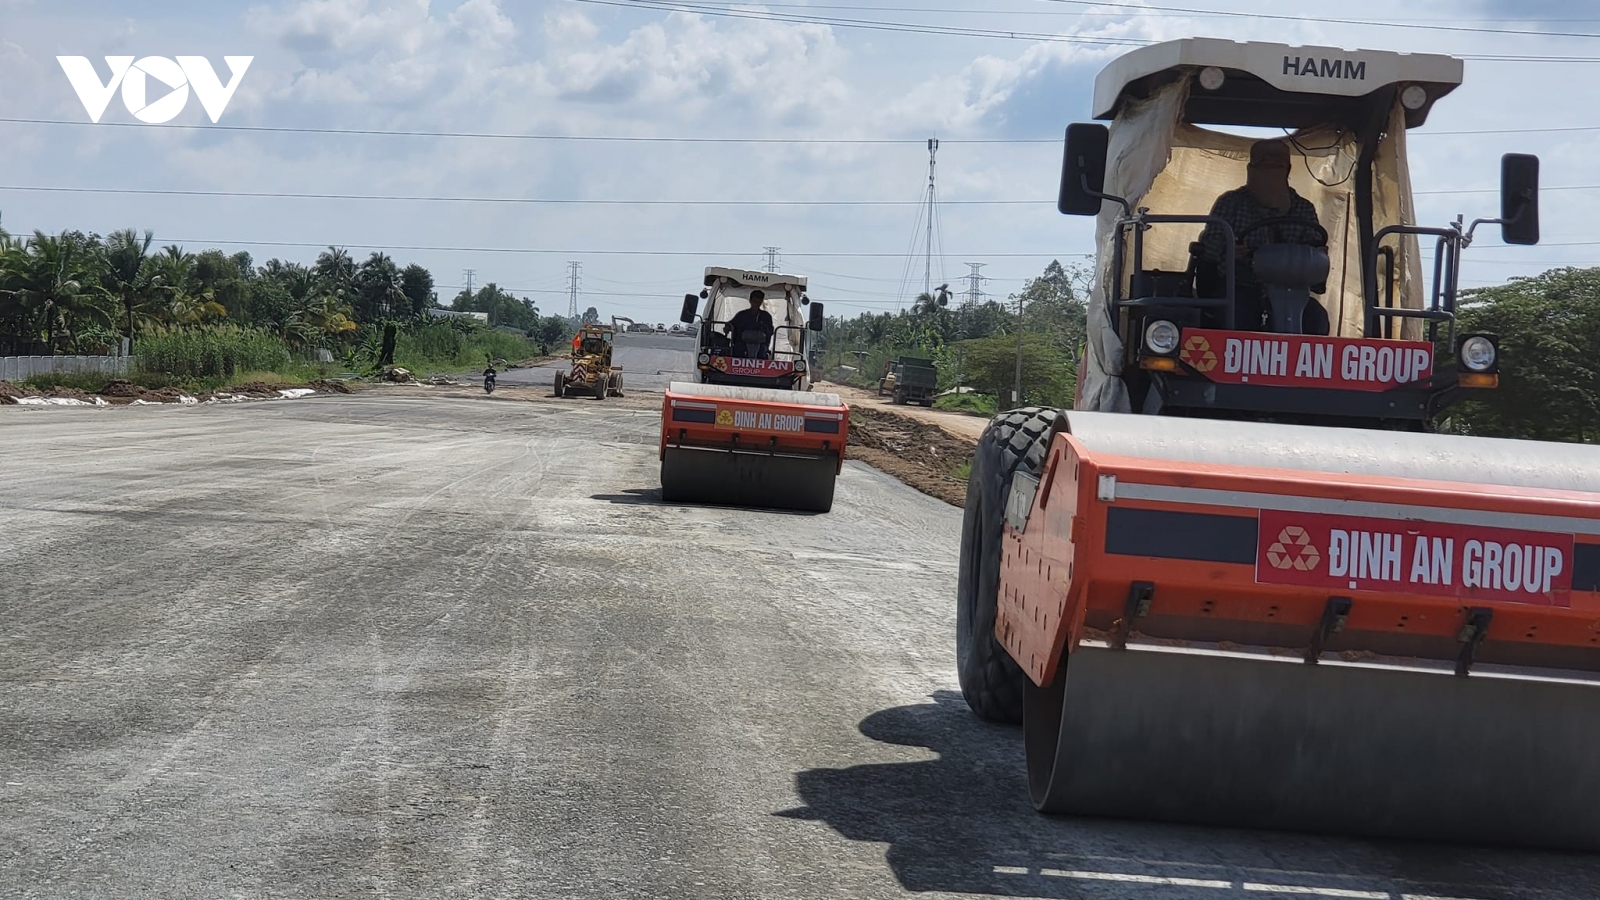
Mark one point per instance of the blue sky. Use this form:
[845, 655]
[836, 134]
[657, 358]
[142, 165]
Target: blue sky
[582, 68]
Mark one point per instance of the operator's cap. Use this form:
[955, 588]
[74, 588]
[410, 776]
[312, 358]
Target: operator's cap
[1269, 151]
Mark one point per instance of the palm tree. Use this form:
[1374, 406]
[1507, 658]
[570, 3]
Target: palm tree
[52, 278]
[127, 277]
[187, 301]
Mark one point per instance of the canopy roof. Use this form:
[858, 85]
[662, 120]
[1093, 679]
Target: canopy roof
[748, 278]
[1276, 85]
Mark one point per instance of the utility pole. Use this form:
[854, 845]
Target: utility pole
[573, 269]
[469, 273]
[1016, 393]
[927, 270]
[772, 258]
[975, 284]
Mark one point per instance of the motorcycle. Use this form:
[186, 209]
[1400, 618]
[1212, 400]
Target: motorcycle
[488, 380]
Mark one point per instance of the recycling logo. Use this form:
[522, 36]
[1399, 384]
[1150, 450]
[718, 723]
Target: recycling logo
[1198, 354]
[1293, 550]
[725, 418]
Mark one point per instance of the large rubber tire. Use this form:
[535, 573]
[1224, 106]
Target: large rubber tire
[602, 386]
[561, 384]
[991, 681]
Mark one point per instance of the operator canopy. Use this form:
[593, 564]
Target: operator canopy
[1345, 113]
[730, 293]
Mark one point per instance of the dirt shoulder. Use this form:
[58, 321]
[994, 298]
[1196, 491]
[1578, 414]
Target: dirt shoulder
[920, 453]
[962, 424]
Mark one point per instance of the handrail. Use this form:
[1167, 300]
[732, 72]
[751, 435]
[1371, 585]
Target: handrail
[1140, 222]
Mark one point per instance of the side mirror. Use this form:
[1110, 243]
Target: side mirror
[1519, 198]
[815, 322]
[1083, 169]
[690, 302]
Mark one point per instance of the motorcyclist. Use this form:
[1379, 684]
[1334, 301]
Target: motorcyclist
[489, 378]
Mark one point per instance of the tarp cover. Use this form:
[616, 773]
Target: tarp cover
[1159, 162]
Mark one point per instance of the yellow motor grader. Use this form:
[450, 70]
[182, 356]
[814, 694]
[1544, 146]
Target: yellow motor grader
[591, 372]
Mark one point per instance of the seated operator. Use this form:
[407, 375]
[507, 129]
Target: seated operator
[1266, 195]
[754, 319]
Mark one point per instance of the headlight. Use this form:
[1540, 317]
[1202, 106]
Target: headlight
[705, 359]
[1161, 337]
[1478, 353]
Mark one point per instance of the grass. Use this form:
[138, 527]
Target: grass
[89, 382]
[440, 347]
[963, 471]
[974, 403]
[210, 353]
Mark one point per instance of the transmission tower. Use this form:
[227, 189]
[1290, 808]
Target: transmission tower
[469, 273]
[573, 268]
[772, 258]
[927, 269]
[975, 282]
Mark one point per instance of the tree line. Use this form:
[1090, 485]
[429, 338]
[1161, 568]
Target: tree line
[82, 293]
[1548, 328]
[976, 344]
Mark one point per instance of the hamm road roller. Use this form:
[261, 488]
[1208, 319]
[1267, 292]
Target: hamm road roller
[752, 432]
[1245, 582]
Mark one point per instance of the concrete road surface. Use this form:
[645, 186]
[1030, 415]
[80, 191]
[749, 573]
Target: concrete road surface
[649, 362]
[420, 648]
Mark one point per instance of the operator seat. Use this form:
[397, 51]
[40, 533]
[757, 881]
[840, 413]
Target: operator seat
[752, 344]
[1287, 273]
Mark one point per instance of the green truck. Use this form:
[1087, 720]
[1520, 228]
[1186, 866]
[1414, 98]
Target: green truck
[910, 379]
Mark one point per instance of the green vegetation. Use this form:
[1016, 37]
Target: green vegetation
[210, 353]
[201, 320]
[977, 345]
[1549, 331]
[983, 404]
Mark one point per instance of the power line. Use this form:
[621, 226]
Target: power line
[604, 201]
[557, 201]
[1036, 37]
[507, 136]
[662, 139]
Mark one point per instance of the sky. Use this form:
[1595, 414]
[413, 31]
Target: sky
[823, 108]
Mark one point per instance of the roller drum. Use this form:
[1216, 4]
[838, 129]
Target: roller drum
[731, 478]
[1224, 739]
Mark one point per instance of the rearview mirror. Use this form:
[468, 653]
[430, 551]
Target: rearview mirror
[815, 323]
[1083, 169]
[690, 302]
[1519, 198]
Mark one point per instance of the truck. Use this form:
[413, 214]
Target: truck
[910, 379]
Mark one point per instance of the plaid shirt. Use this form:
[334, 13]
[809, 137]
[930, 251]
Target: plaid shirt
[1240, 209]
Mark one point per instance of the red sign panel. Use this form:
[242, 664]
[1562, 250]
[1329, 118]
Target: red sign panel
[732, 418]
[1471, 562]
[765, 368]
[1293, 360]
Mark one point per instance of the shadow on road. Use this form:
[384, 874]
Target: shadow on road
[950, 822]
[652, 497]
[632, 497]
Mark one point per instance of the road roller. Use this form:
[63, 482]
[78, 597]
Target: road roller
[751, 432]
[1249, 580]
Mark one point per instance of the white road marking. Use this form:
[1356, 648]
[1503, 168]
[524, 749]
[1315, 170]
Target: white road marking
[1011, 870]
[1140, 879]
[1318, 892]
[1428, 897]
